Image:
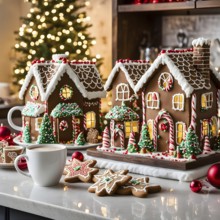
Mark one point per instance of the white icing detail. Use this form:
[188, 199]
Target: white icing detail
[208, 100]
[57, 57]
[200, 42]
[178, 105]
[122, 92]
[136, 69]
[58, 72]
[151, 102]
[183, 131]
[32, 109]
[167, 79]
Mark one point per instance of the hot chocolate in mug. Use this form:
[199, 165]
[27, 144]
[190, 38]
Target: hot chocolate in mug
[45, 163]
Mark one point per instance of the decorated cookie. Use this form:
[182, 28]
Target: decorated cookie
[80, 171]
[138, 187]
[92, 136]
[108, 182]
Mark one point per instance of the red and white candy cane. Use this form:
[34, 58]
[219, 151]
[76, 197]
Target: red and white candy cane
[143, 108]
[105, 139]
[121, 134]
[164, 114]
[84, 123]
[112, 124]
[73, 126]
[193, 112]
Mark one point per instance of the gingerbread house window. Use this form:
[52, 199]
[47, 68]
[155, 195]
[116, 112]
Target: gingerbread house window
[178, 102]
[207, 100]
[180, 131]
[165, 81]
[153, 100]
[38, 123]
[205, 127]
[150, 126]
[90, 119]
[34, 92]
[66, 92]
[122, 92]
[214, 126]
[131, 126]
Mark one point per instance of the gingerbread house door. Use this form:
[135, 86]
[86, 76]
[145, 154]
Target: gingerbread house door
[163, 136]
[64, 129]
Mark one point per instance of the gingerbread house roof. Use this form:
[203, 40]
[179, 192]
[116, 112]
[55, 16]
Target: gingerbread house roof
[133, 71]
[32, 109]
[180, 64]
[47, 75]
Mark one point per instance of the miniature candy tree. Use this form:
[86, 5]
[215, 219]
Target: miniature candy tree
[46, 132]
[80, 139]
[145, 143]
[26, 136]
[132, 146]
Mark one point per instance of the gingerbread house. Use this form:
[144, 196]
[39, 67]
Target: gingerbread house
[181, 91]
[124, 116]
[69, 92]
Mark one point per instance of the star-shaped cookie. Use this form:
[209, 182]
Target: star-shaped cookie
[80, 171]
[138, 187]
[108, 182]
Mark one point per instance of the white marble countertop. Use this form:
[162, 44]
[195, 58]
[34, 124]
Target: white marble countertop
[72, 201]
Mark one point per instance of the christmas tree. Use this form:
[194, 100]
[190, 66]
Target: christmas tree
[132, 146]
[191, 144]
[46, 132]
[80, 139]
[145, 143]
[26, 136]
[53, 27]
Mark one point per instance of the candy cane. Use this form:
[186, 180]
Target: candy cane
[112, 124]
[84, 123]
[54, 128]
[105, 139]
[206, 149]
[121, 134]
[143, 109]
[73, 126]
[193, 112]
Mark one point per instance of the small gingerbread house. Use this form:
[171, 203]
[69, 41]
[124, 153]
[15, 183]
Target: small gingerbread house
[181, 91]
[69, 92]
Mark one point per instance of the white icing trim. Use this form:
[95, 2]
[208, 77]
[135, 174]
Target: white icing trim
[200, 42]
[57, 57]
[165, 77]
[63, 68]
[162, 60]
[177, 131]
[153, 101]
[209, 99]
[178, 103]
[122, 89]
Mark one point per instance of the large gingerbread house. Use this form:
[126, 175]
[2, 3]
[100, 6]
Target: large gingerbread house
[69, 92]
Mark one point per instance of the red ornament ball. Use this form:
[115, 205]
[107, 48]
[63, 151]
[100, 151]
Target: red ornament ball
[78, 155]
[196, 186]
[4, 131]
[213, 175]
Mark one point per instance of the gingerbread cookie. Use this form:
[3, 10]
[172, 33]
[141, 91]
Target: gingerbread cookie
[108, 182]
[92, 136]
[138, 187]
[80, 171]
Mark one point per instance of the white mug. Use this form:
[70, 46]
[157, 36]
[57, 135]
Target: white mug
[45, 163]
[10, 121]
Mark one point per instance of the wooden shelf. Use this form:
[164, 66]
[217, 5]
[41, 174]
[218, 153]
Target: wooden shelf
[157, 7]
[208, 4]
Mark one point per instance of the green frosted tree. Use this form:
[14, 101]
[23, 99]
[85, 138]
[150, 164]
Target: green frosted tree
[145, 143]
[46, 132]
[26, 136]
[80, 139]
[132, 146]
[191, 144]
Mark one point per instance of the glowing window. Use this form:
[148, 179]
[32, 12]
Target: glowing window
[205, 128]
[165, 81]
[131, 126]
[180, 132]
[178, 102]
[207, 100]
[38, 123]
[66, 92]
[90, 119]
[150, 125]
[34, 92]
[214, 126]
[122, 92]
[153, 100]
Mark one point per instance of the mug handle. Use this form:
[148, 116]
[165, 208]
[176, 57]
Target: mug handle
[16, 165]
[11, 123]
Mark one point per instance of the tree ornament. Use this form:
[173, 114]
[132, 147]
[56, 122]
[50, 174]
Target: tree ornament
[78, 155]
[213, 175]
[164, 126]
[26, 136]
[132, 146]
[196, 186]
[4, 132]
[80, 139]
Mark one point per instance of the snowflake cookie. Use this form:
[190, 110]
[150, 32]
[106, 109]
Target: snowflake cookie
[80, 171]
[138, 187]
[108, 182]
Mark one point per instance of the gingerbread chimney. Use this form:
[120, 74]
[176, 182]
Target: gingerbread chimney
[201, 56]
